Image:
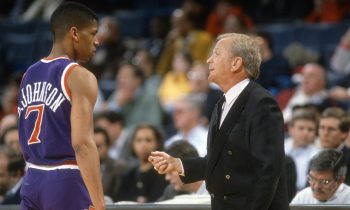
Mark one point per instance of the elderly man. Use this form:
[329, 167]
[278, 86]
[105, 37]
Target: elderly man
[312, 90]
[243, 168]
[326, 177]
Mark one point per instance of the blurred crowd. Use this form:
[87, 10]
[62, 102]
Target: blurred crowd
[154, 94]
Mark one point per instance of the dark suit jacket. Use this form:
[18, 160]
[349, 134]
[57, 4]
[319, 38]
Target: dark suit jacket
[244, 166]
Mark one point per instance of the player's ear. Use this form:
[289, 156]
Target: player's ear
[73, 31]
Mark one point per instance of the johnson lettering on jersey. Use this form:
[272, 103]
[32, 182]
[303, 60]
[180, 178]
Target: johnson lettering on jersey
[44, 113]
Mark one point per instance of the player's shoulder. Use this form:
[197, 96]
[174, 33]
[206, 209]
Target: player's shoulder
[82, 73]
[81, 77]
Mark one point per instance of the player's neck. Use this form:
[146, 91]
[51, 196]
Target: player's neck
[58, 51]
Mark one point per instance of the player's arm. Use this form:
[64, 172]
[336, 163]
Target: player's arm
[83, 87]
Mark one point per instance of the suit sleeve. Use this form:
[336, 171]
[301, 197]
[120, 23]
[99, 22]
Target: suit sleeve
[266, 136]
[194, 169]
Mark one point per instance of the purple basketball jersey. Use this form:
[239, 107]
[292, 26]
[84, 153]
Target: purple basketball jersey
[44, 113]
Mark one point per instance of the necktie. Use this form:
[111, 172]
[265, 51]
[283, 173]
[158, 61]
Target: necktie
[220, 103]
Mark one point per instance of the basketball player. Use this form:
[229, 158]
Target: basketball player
[55, 105]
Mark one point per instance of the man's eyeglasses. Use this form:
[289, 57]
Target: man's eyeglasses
[322, 182]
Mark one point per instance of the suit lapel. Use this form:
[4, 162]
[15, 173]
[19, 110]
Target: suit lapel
[219, 138]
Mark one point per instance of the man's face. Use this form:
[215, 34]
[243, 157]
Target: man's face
[101, 145]
[313, 79]
[303, 132]
[323, 184]
[174, 180]
[330, 134]
[198, 77]
[87, 43]
[183, 116]
[11, 139]
[220, 62]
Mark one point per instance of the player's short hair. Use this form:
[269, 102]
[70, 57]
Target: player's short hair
[70, 14]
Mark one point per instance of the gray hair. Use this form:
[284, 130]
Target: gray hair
[245, 47]
[329, 159]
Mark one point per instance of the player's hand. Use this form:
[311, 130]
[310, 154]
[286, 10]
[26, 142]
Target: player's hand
[164, 163]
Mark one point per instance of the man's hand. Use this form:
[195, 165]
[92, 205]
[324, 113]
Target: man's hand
[164, 163]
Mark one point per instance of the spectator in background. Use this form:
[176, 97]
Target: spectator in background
[111, 170]
[197, 10]
[158, 29]
[298, 55]
[131, 98]
[182, 149]
[275, 72]
[328, 11]
[4, 174]
[223, 11]
[175, 83]
[15, 167]
[186, 117]
[300, 145]
[10, 139]
[113, 123]
[311, 90]
[198, 77]
[340, 61]
[326, 177]
[9, 96]
[183, 37]
[234, 24]
[110, 52]
[146, 62]
[142, 183]
[7, 121]
[333, 130]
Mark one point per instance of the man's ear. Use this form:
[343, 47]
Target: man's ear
[236, 64]
[340, 180]
[73, 31]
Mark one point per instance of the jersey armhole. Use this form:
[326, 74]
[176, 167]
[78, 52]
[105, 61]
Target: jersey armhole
[64, 83]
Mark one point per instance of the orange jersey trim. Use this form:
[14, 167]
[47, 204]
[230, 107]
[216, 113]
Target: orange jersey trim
[66, 78]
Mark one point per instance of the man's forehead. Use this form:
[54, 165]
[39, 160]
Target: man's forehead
[325, 174]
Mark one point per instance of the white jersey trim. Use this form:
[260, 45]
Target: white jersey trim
[50, 60]
[51, 168]
[63, 78]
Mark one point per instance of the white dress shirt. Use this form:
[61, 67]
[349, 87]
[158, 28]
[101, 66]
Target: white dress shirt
[231, 96]
[341, 196]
